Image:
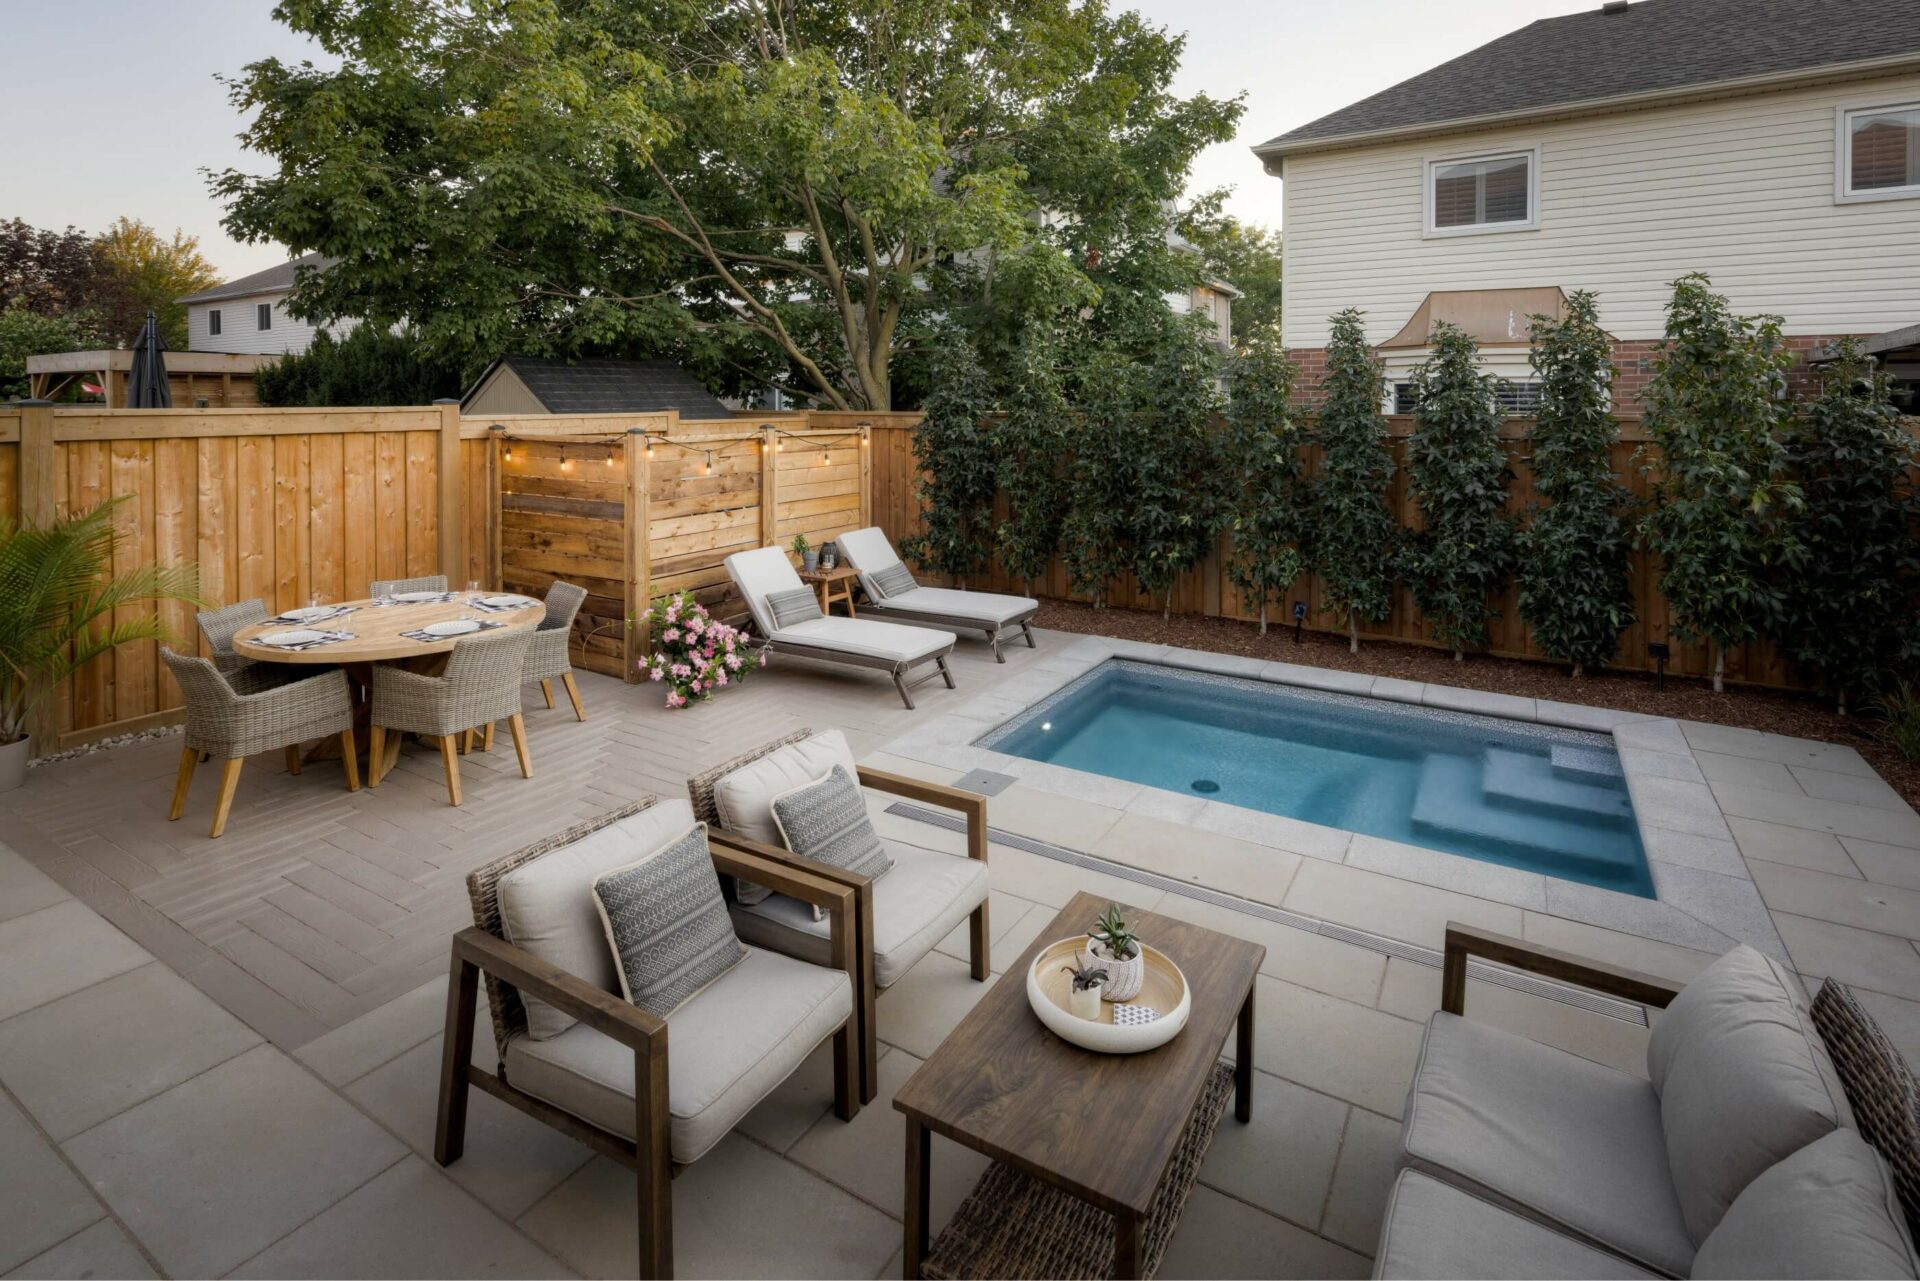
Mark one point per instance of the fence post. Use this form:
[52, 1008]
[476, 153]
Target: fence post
[452, 521]
[636, 553]
[39, 509]
[866, 474]
[496, 440]
[769, 483]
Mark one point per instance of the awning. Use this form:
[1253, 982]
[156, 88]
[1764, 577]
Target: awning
[1493, 317]
[1896, 344]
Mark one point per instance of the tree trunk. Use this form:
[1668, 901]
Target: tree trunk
[1719, 670]
[1841, 702]
[1166, 605]
[1263, 616]
[1353, 633]
[1576, 671]
[1459, 656]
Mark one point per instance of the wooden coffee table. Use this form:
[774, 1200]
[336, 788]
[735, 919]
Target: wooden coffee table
[1099, 1126]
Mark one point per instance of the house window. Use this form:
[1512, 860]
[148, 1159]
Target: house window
[1879, 150]
[1517, 399]
[1482, 193]
[266, 315]
[213, 322]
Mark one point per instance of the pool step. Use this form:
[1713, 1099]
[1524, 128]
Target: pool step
[1447, 806]
[1585, 764]
[1532, 784]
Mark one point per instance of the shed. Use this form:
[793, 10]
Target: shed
[541, 385]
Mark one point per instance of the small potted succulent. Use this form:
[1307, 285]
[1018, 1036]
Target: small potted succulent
[809, 558]
[1083, 992]
[1113, 946]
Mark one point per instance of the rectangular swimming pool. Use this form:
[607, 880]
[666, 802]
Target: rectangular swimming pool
[1530, 796]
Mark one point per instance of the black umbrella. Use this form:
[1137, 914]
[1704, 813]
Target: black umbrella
[147, 380]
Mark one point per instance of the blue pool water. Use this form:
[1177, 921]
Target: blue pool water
[1527, 796]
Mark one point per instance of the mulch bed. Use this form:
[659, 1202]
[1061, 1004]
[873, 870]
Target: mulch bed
[1773, 711]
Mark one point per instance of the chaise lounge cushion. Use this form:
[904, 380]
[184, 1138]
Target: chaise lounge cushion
[728, 1046]
[1549, 1136]
[1744, 1082]
[1435, 1230]
[890, 642]
[547, 906]
[1829, 1210]
[984, 608]
[914, 906]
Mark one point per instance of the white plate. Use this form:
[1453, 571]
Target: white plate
[411, 597]
[307, 613]
[503, 602]
[452, 627]
[299, 636]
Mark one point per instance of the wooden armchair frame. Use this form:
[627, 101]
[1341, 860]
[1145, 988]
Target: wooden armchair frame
[649, 1154]
[1463, 941]
[970, 804]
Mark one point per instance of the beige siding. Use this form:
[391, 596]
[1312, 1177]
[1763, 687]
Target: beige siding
[240, 327]
[503, 393]
[1741, 189]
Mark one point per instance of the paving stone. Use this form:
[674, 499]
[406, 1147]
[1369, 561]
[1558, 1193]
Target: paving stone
[41, 1202]
[1323, 678]
[1653, 736]
[1746, 771]
[102, 1250]
[1886, 909]
[1838, 817]
[1733, 741]
[1636, 760]
[1795, 846]
[919, 1010]
[1282, 1160]
[1676, 805]
[1858, 958]
[1490, 881]
[1887, 864]
[1298, 956]
[1853, 789]
[1220, 1237]
[1412, 991]
[24, 888]
[1708, 853]
[1357, 1203]
[1333, 1046]
[1395, 690]
[1394, 908]
[57, 950]
[1480, 702]
[351, 1051]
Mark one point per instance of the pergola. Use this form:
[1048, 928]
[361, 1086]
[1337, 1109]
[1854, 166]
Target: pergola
[223, 379]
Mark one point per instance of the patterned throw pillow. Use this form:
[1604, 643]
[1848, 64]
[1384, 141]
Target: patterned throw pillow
[790, 607]
[895, 580]
[667, 924]
[827, 820]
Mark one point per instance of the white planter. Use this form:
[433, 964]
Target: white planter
[1123, 977]
[1084, 1003]
[13, 763]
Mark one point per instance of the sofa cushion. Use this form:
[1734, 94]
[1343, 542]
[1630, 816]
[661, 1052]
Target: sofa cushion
[1435, 1230]
[1547, 1135]
[667, 924]
[1743, 1080]
[744, 798]
[547, 907]
[1829, 1210]
[727, 1048]
[914, 906]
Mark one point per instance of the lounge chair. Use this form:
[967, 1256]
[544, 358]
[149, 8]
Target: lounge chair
[891, 590]
[787, 613]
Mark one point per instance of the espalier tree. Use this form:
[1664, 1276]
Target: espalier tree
[1723, 523]
[1574, 590]
[1106, 439]
[1271, 504]
[1851, 605]
[1354, 530]
[1464, 552]
[1179, 489]
[954, 450]
[1031, 444]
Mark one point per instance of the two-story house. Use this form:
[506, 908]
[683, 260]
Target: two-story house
[249, 314]
[1773, 144]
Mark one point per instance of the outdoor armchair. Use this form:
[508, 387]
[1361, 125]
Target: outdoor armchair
[902, 914]
[231, 717]
[394, 586]
[548, 659]
[891, 591]
[481, 685]
[608, 1079]
[218, 627]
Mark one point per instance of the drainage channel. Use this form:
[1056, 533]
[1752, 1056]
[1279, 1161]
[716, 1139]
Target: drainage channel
[1499, 976]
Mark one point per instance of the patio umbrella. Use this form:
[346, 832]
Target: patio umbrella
[147, 379]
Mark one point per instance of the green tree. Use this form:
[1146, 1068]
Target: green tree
[1272, 508]
[1031, 446]
[24, 333]
[1574, 590]
[954, 450]
[1851, 605]
[1723, 523]
[1353, 543]
[1246, 256]
[1109, 437]
[150, 271]
[767, 186]
[1463, 553]
[368, 367]
[1179, 484]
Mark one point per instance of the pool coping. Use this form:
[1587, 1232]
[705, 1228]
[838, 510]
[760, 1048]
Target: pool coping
[1706, 898]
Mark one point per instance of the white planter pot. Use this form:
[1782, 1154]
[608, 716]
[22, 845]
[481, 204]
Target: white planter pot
[13, 763]
[1124, 978]
[1084, 1003]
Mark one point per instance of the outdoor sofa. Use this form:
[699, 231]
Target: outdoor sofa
[1770, 1138]
[891, 590]
[787, 613]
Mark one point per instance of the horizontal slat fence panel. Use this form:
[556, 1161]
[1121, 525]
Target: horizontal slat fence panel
[561, 507]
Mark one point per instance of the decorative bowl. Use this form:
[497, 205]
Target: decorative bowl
[1164, 989]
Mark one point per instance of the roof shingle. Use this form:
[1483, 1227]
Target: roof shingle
[598, 386]
[274, 280]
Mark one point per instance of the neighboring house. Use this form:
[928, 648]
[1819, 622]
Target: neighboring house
[249, 314]
[1212, 299]
[538, 385]
[1773, 144]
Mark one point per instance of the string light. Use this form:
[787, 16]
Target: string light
[706, 468]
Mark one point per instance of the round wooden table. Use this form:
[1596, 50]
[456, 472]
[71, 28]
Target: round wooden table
[378, 637]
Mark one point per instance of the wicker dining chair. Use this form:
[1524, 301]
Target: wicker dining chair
[231, 716]
[394, 586]
[481, 685]
[547, 657]
[219, 626]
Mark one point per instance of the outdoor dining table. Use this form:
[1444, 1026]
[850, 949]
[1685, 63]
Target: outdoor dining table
[377, 631]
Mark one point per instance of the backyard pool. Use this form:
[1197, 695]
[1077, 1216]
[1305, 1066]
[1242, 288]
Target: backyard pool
[1530, 796]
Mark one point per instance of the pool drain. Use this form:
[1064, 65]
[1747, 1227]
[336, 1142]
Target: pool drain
[1205, 786]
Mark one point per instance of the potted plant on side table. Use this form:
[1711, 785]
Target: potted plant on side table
[809, 558]
[58, 596]
[1114, 947]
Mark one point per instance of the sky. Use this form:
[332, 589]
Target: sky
[119, 111]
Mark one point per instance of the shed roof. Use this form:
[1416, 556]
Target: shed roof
[600, 386]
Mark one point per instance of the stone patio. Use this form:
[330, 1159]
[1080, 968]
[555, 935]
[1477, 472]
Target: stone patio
[220, 1057]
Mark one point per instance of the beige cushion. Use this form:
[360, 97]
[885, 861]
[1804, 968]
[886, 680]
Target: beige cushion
[1829, 1210]
[1435, 1230]
[1744, 1081]
[1546, 1135]
[914, 906]
[727, 1048]
[981, 608]
[547, 906]
[744, 798]
[893, 642]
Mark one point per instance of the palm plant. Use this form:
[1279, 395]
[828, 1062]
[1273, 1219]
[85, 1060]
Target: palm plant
[58, 600]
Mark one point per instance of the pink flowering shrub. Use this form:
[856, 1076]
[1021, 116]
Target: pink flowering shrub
[694, 654]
